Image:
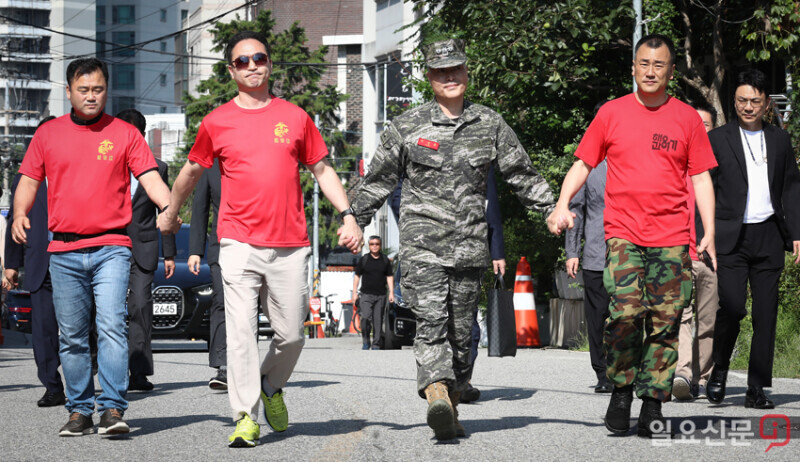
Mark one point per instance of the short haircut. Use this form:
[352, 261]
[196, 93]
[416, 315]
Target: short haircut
[374, 237]
[85, 66]
[245, 35]
[704, 106]
[133, 117]
[657, 41]
[754, 78]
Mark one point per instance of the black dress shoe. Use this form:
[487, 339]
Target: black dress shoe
[470, 394]
[52, 399]
[715, 388]
[603, 386]
[618, 415]
[756, 398]
[140, 383]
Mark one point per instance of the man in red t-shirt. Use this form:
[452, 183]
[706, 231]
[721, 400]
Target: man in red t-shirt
[651, 142]
[259, 141]
[87, 158]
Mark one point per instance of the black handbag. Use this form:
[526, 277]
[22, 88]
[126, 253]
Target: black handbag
[501, 323]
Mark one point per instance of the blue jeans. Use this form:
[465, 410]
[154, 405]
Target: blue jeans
[81, 278]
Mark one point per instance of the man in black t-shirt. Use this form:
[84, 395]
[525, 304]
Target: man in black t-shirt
[376, 270]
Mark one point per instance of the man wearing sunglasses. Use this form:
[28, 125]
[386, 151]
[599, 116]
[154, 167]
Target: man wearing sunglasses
[444, 151]
[259, 140]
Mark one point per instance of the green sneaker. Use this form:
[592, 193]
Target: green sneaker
[275, 411]
[246, 434]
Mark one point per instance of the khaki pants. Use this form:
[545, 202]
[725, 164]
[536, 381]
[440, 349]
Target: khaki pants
[279, 277]
[694, 350]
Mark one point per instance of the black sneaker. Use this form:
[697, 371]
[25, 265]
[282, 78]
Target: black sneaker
[111, 423]
[78, 425]
[219, 382]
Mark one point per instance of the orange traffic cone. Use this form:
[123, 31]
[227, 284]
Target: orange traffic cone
[525, 307]
[316, 305]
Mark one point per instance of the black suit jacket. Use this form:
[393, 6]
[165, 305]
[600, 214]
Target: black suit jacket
[142, 229]
[33, 255]
[730, 184]
[206, 196]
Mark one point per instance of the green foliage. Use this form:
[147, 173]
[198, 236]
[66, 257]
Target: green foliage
[294, 82]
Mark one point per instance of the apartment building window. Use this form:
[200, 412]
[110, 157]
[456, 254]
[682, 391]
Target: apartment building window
[163, 109]
[163, 46]
[123, 14]
[163, 15]
[122, 39]
[163, 79]
[100, 16]
[123, 102]
[123, 77]
[100, 44]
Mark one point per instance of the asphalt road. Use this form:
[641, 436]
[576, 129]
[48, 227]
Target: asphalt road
[349, 404]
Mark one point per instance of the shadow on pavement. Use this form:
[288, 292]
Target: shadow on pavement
[311, 383]
[141, 427]
[164, 388]
[506, 394]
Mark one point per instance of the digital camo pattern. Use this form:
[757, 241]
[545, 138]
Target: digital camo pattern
[445, 164]
[648, 287]
[443, 300]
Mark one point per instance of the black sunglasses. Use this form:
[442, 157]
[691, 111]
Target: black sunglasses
[243, 62]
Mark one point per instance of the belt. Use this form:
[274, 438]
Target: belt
[72, 237]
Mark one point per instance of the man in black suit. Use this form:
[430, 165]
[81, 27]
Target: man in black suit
[206, 199]
[144, 261]
[757, 186]
[44, 327]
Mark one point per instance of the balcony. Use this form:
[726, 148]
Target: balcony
[25, 84]
[20, 31]
[30, 4]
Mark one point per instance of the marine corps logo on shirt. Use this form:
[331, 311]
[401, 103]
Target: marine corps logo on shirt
[105, 147]
[281, 130]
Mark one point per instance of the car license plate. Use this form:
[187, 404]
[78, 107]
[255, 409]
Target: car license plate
[165, 309]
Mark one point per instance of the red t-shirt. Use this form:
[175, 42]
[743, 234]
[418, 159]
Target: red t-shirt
[259, 151]
[650, 151]
[88, 171]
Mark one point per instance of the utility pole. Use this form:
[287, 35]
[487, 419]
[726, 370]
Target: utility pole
[315, 232]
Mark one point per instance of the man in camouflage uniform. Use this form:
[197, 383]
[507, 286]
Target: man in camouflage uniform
[652, 142]
[443, 150]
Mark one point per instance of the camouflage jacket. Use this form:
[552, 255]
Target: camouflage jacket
[445, 164]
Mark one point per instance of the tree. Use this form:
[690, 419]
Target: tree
[295, 79]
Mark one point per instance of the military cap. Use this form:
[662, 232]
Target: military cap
[448, 53]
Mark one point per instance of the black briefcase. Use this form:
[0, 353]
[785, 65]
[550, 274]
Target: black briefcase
[501, 323]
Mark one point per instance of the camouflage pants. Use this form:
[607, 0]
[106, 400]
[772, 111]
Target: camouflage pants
[648, 288]
[443, 300]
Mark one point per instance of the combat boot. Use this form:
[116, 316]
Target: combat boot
[651, 422]
[618, 415]
[455, 399]
[440, 411]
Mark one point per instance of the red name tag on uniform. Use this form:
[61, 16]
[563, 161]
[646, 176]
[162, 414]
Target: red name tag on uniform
[428, 144]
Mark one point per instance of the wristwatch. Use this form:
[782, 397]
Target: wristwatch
[345, 212]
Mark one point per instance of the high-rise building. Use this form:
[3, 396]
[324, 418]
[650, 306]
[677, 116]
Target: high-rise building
[136, 39]
[73, 23]
[24, 73]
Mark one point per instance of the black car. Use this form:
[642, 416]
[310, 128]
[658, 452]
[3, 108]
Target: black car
[181, 303]
[399, 326]
[17, 311]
